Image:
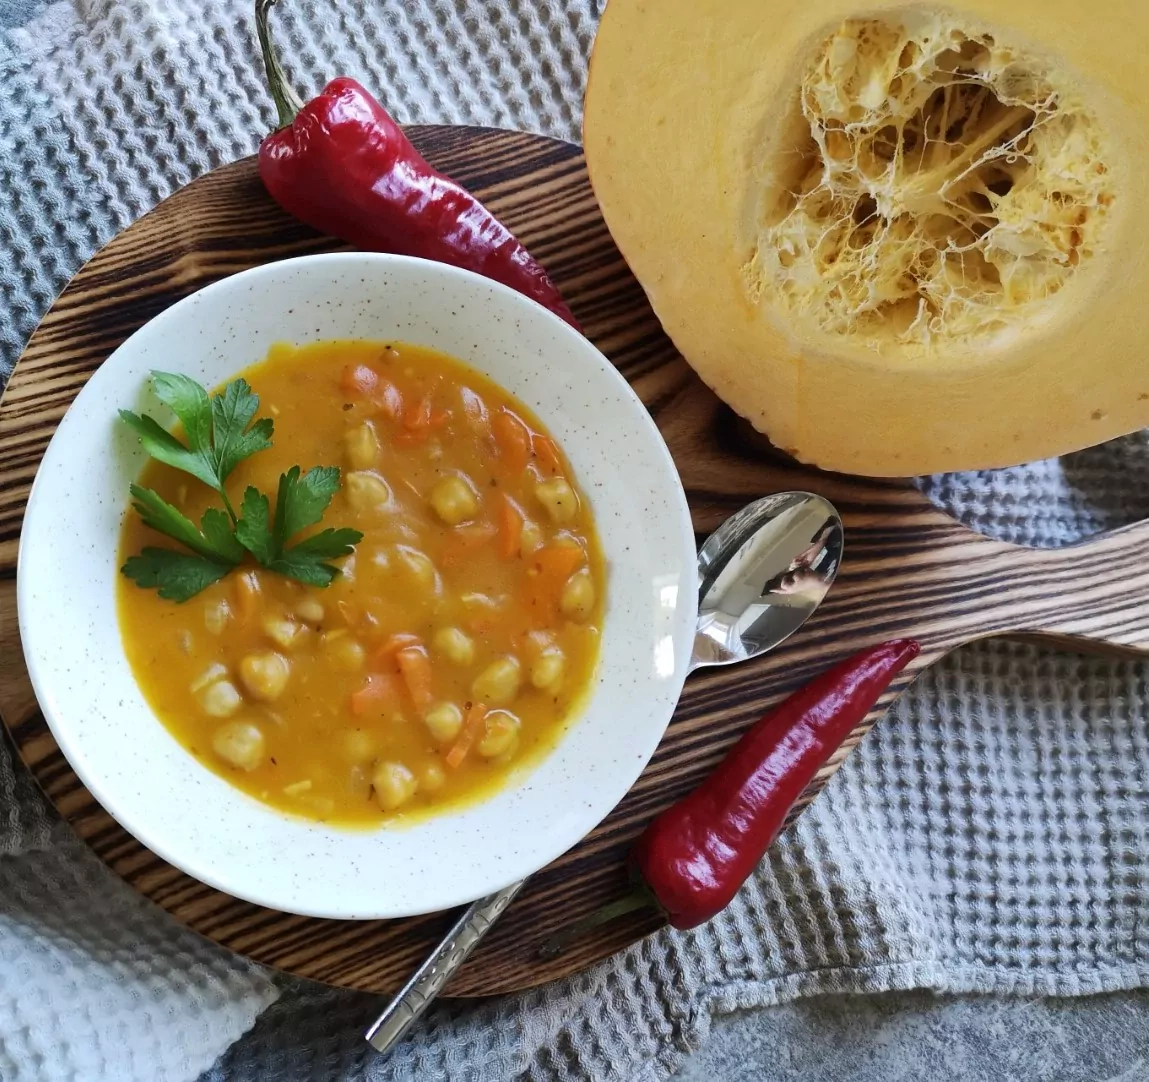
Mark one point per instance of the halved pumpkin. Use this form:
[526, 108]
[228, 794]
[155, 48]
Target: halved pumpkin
[898, 240]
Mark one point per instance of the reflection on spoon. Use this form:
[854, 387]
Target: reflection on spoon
[761, 575]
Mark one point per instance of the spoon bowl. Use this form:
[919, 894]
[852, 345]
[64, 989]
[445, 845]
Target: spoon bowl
[762, 574]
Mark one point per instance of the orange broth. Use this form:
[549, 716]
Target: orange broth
[459, 639]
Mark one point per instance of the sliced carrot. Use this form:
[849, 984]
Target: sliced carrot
[379, 690]
[391, 646]
[411, 437]
[419, 420]
[511, 519]
[472, 725]
[415, 666]
[389, 399]
[558, 562]
[475, 409]
[546, 453]
[359, 379]
[364, 381]
[246, 595]
[513, 440]
[549, 569]
[418, 415]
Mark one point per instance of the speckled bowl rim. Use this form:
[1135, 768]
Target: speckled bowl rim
[44, 632]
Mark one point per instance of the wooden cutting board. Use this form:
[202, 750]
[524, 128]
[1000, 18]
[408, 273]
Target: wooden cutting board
[908, 568]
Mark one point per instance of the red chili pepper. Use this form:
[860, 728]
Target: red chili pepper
[691, 860]
[341, 164]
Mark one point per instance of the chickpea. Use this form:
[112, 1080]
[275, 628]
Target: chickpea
[484, 603]
[216, 616]
[394, 785]
[418, 566]
[265, 675]
[577, 600]
[358, 746]
[455, 645]
[499, 682]
[454, 500]
[443, 721]
[500, 735]
[210, 675]
[239, 743]
[558, 498]
[432, 778]
[307, 608]
[531, 538]
[283, 631]
[548, 669]
[367, 491]
[362, 445]
[220, 700]
[343, 651]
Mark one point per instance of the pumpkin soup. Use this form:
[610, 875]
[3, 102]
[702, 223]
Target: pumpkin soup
[405, 662]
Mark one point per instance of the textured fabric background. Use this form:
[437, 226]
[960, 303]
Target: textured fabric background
[990, 836]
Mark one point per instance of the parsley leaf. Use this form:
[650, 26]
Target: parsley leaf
[221, 431]
[216, 543]
[253, 530]
[300, 502]
[177, 575]
[306, 562]
[190, 403]
[216, 427]
[217, 529]
[231, 413]
[161, 444]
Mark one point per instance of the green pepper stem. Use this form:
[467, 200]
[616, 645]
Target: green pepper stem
[287, 101]
[637, 898]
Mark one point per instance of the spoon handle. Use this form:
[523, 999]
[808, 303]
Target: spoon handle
[428, 980]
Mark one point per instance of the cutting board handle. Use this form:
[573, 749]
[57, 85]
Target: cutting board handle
[1092, 596]
[947, 586]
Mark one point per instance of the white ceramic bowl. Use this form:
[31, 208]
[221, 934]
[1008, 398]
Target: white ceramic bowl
[196, 820]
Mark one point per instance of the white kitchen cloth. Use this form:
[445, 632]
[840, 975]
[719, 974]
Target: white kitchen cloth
[991, 835]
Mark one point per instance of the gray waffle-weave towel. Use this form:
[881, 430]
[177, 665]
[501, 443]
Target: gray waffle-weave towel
[991, 835]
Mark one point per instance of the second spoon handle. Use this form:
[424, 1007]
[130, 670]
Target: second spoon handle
[428, 980]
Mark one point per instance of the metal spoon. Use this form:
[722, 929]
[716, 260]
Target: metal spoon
[762, 573]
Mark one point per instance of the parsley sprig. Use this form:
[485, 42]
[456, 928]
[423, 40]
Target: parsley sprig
[221, 431]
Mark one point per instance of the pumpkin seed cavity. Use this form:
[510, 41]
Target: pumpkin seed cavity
[930, 187]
